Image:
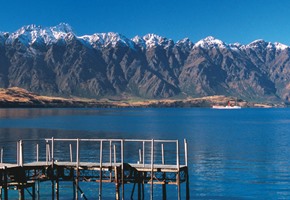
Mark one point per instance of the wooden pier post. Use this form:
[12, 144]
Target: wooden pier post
[57, 184]
[77, 170]
[21, 192]
[152, 167]
[140, 156]
[122, 170]
[185, 152]
[17, 153]
[21, 159]
[143, 159]
[1, 154]
[47, 155]
[164, 196]
[33, 191]
[178, 171]
[70, 153]
[37, 190]
[37, 152]
[74, 189]
[5, 184]
[186, 171]
[139, 185]
[101, 173]
[116, 170]
[110, 160]
[52, 169]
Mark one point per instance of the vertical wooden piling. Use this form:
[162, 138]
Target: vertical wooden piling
[116, 169]
[164, 196]
[77, 170]
[2, 155]
[185, 152]
[187, 195]
[70, 153]
[47, 155]
[164, 193]
[17, 147]
[178, 171]
[139, 186]
[140, 157]
[162, 154]
[21, 192]
[21, 159]
[52, 169]
[122, 170]
[152, 167]
[74, 189]
[101, 172]
[5, 183]
[57, 184]
[33, 191]
[52, 183]
[52, 150]
[143, 159]
[110, 160]
[37, 152]
[37, 189]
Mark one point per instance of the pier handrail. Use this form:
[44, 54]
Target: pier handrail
[93, 155]
[108, 147]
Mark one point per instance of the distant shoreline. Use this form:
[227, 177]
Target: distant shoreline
[21, 98]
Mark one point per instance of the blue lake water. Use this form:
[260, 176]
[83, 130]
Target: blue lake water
[233, 154]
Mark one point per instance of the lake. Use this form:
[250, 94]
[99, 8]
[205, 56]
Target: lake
[233, 154]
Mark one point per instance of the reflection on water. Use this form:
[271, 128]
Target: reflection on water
[233, 154]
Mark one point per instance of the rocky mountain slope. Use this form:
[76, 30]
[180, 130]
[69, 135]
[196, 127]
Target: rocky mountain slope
[54, 61]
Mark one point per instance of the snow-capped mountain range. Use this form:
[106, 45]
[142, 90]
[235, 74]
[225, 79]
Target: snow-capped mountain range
[55, 61]
[31, 34]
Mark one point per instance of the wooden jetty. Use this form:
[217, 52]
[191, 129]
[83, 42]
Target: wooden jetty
[117, 161]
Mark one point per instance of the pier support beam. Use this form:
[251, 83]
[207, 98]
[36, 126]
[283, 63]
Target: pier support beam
[57, 186]
[117, 183]
[21, 192]
[5, 184]
[164, 195]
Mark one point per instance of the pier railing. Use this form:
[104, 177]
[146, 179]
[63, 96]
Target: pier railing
[127, 160]
[109, 151]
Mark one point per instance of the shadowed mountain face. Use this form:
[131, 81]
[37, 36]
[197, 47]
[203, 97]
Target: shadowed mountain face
[54, 61]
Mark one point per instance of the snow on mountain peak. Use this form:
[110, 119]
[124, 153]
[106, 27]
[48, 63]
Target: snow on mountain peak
[257, 43]
[185, 42]
[269, 45]
[60, 31]
[3, 37]
[62, 27]
[106, 39]
[31, 34]
[211, 42]
[152, 40]
[280, 46]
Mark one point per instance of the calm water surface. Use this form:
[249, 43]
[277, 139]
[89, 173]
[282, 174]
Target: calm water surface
[234, 154]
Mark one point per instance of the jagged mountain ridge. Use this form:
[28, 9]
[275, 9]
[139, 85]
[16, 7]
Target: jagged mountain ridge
[54, 61]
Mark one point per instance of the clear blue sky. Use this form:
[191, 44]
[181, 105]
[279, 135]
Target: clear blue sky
[229, 20]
